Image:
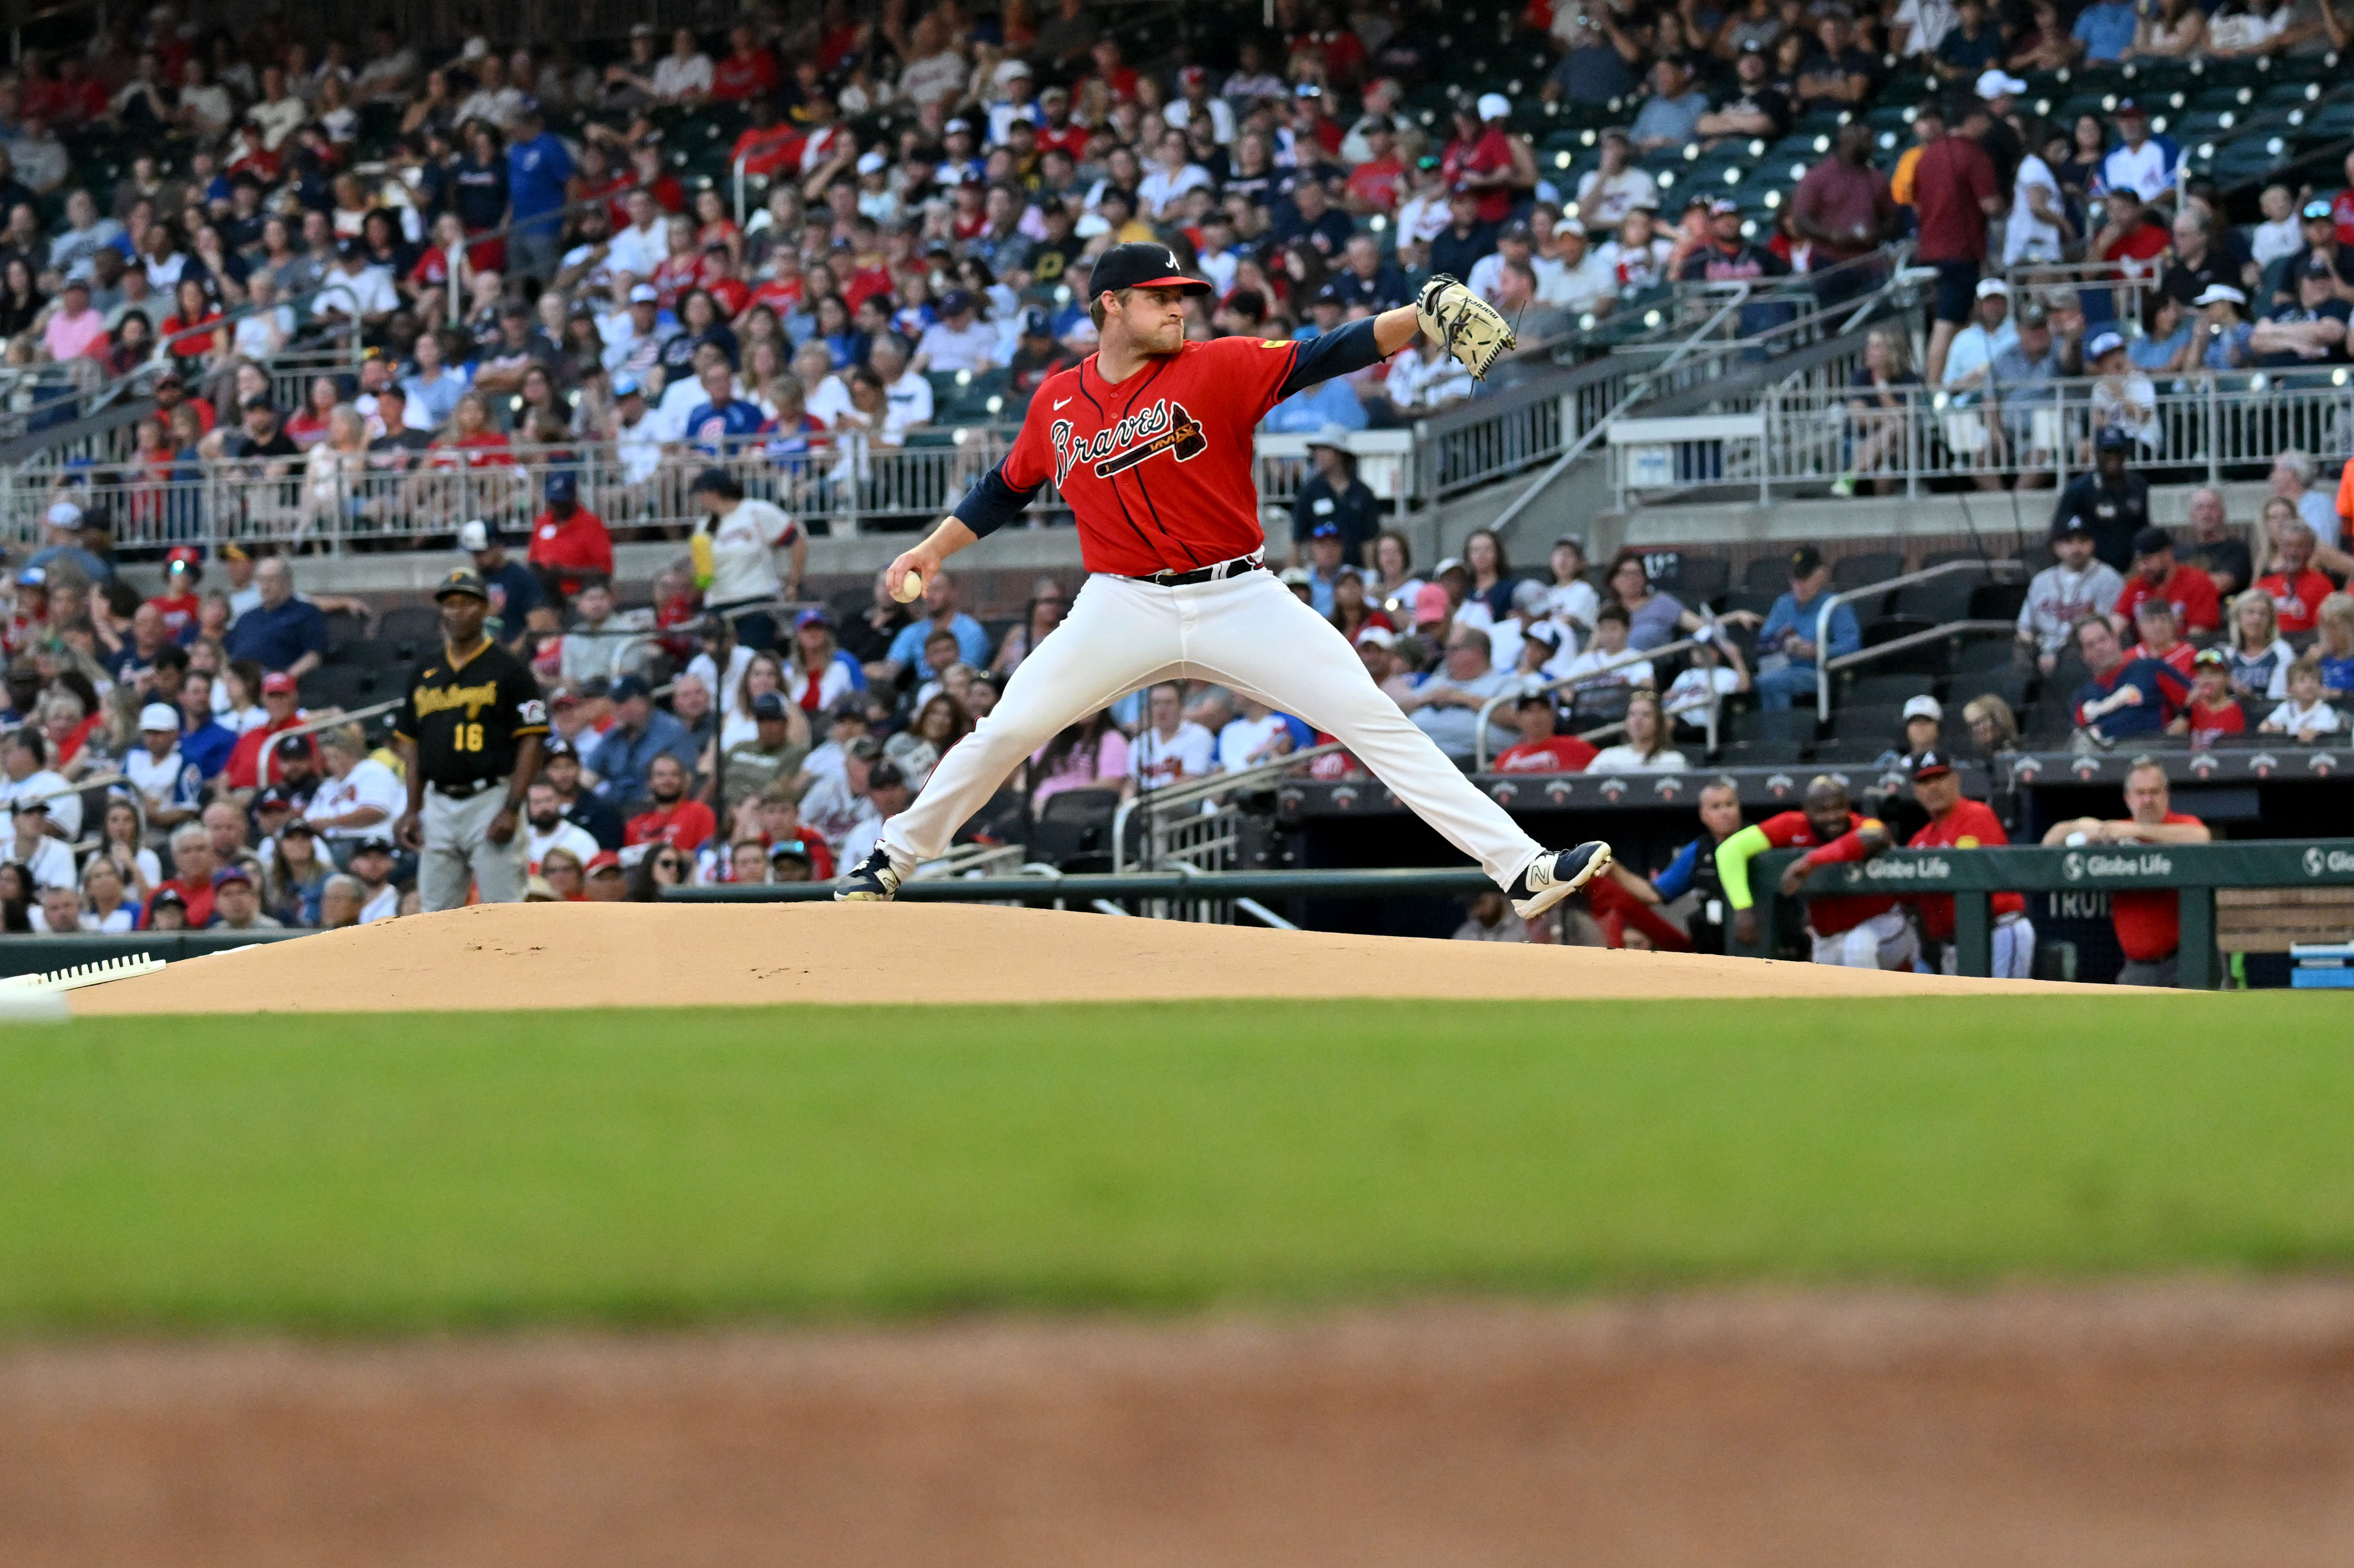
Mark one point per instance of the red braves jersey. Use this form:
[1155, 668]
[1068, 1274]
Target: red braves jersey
[1156, 468]
[1839, 912]
[1971, 824]
[2149, 922]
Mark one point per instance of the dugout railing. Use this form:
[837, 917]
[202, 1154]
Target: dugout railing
[1972, 877]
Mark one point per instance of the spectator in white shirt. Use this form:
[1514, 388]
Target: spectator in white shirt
[1172, 748]
[1606, 662]
[23, 760]
[1425, 380]
[359, 795]
[1261, 735]
[960, 340]
[46, 861]
[683, 75]
[1174, 173]
[545, 828]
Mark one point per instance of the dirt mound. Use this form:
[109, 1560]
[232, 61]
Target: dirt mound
[2191, 1424]
[636, 955]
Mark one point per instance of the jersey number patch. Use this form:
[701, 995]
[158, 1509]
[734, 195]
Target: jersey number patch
[466, 738]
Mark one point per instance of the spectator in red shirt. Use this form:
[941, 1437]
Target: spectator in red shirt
[1480, 155]
[178, 604]
[570, 546]
[2295, 589]
[1958, 822]
[2159, 629]
[766, 146]
[1953, 194]
[1540, 749]
[747, 71]
[2156, 574]
[244, 761]
[2212, 713]
[676, 820]
[2148, 924]
[193, 865]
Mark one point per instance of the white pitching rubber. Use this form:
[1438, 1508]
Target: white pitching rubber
[80, 975]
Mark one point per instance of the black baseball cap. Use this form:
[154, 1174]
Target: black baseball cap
[1806, 561]
[1931, 765]
[463, 580]
[1141, 264]
[2151, 540]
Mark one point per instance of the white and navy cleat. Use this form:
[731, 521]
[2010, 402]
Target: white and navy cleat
[1551, 878]
[873, 881]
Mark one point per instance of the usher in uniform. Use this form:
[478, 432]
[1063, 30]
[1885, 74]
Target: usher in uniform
[1156, 470]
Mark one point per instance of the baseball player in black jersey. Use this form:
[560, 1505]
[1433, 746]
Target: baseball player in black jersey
[470, 729]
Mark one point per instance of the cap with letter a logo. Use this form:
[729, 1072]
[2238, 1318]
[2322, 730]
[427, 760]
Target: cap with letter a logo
[1142, 264]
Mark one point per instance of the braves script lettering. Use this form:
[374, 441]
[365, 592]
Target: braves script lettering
[1164, 427]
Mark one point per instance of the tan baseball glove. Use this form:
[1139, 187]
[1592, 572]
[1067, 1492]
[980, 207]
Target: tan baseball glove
[1463, 323]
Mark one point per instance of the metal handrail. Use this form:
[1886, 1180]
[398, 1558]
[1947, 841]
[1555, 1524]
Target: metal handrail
[1567, 683]
[1633, 395]
[1963, 627]
[1993, 569]
[1186, 792]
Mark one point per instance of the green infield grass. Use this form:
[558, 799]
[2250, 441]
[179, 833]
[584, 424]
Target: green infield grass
[397, 1172]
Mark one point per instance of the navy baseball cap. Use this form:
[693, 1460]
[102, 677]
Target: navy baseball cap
[629, 686]
[2114, 439]
[563, 486]
[1141, 264]
[1037, 324]
[768, 705]
[1931, 765]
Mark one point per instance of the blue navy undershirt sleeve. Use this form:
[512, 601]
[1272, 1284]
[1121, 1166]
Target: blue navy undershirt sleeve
[1677, 880]
[1335, 353]
[992, 503]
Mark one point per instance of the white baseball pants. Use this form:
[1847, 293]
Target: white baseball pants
[1883, 942]
[1245, 633]
[2013, 950]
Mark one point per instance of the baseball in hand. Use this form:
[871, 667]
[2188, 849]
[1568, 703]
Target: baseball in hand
[910, 588]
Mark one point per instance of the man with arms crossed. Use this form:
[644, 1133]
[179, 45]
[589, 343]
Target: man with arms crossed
[1148, 440]
[469, 730]
[2148, 923]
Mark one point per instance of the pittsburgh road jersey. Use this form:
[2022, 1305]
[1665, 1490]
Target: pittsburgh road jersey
[1156, 470]
[466, 718]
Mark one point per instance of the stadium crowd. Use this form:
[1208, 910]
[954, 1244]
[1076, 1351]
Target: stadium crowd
[536, 251]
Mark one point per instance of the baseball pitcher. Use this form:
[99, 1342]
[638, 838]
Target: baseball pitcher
[1149, 441]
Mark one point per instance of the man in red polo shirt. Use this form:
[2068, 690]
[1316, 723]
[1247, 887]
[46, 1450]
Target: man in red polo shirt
[244, 769]
[2148, 924]
[2157, 574]
[570, 544]
[1958, 822]
[1856, 931]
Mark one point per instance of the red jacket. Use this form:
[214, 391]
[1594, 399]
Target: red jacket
[574, 547]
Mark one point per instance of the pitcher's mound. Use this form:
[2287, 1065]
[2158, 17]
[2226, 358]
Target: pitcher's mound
[639, 955]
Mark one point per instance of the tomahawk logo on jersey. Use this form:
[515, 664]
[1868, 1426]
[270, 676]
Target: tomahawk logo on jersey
[1157, 468]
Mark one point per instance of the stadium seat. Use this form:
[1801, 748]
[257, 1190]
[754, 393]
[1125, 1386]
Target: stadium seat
[1938, 601]
[413, 627]
[1768, 575]
[344, 626]
[1886, 691]
[1862, 571]
[339, 686]
[1980, 655]
[1774, 727]
[2013, 685]
[1073, 830]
